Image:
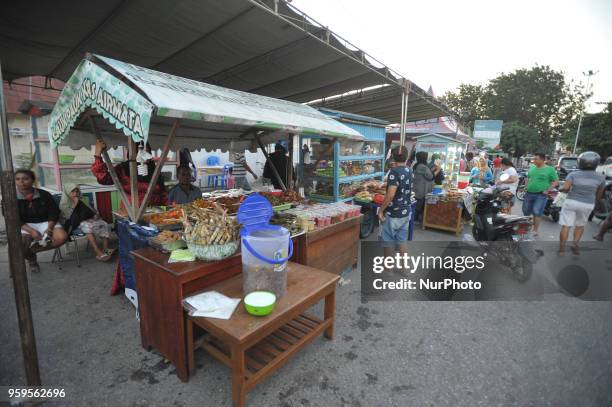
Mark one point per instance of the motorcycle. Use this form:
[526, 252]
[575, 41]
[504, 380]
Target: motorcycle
[520, 189]
[604, 206]
[515, 231]
[551, 209]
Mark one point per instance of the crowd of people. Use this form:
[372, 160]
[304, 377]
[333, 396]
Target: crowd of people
[47, 225]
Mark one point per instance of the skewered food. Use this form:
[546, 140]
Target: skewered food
[210, 226]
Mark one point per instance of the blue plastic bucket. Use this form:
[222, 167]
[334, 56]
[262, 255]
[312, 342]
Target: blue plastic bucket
[265, 248]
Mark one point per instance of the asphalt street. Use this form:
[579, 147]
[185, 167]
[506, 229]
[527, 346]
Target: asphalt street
[384, 354]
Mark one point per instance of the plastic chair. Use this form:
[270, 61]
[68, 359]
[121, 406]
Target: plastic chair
[72, 238]
[213, 160]
[222, 182]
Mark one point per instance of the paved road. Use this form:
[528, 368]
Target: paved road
[385, 354]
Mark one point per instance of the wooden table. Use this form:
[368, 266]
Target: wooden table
[313, 248]
[161, 287]
[255, 347]
[443, 216]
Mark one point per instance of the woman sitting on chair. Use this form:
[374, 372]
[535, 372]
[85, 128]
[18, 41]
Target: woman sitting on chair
[39, 217]
[77, 214]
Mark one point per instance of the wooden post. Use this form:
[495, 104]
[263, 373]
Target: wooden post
[274, 170]
[133, 151]
[112, 172]
[15, 252]
[157, 171]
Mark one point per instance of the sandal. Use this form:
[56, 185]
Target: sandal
[598, 238]
[110, 252]
[104, 257]
[575, 250]
[33, 266]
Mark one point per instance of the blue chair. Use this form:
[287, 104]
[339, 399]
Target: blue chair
[212, 179]
[213, 160]
[222, 182]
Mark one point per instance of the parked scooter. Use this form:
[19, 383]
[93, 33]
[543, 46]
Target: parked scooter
[507, 236]
[551, 209]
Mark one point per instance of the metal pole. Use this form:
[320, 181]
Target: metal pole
[15, 252]
[405, 114]
[588, 75]
[402, 122]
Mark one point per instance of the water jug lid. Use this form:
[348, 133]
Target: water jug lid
[254, 213]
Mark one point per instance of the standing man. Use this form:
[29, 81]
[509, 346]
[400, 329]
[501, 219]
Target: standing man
[496, 167]
[281, 162]
[541, 178]
[394, 213]
[239, 172]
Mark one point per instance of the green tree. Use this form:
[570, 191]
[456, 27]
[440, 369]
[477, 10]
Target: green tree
[518, 139]
[539, 98]
[595, 133]
[467, 103]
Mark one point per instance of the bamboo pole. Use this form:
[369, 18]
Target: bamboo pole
[133, 151]
[157, 172]
[112, 172]
[15, 252]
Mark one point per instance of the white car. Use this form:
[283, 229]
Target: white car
[605, 168]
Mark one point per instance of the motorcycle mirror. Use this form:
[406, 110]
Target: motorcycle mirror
[504, 177]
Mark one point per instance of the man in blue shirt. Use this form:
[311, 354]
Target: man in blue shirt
[394, 213]
[183, 192]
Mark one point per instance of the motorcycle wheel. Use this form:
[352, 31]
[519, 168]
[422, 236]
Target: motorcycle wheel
[555, 216]
[478, 235]
[520, 194]
[367, 224]
[524, 271]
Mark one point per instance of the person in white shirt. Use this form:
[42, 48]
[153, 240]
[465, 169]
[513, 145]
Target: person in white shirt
[512, 182]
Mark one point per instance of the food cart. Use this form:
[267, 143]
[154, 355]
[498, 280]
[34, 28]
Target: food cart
[448, 149]
[110, 100]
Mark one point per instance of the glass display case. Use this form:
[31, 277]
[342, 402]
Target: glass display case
[331, 170]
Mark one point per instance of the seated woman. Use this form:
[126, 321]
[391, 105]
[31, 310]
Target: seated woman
[77, 214]
[481, 174]
[183, 192]
[100, 171]
[39, 217]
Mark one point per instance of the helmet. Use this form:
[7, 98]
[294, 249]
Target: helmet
[589, 160]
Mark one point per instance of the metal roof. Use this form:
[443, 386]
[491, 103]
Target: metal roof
[384, 103]
[265, 47]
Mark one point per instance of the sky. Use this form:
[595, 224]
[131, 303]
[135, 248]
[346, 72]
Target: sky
[444, 43]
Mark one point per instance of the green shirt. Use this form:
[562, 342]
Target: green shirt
[539, 179]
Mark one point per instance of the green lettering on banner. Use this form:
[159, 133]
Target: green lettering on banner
[90, 86]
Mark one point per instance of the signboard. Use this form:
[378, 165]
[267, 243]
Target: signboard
[431, 147]
[92, 87]
[489, 131]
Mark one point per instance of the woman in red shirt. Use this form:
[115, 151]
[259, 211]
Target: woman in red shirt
[100, 171]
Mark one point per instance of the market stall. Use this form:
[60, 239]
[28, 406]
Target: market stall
[447, 149]
[109, 100]
[444, 210]
[333, 171]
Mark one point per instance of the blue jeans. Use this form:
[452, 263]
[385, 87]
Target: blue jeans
[534, 204]
[394, 230]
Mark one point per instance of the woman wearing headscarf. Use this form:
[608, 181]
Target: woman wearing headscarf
[422, 182]
[77, 214]
[481, 174]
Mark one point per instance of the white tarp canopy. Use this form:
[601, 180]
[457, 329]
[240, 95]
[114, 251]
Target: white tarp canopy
[127, 100]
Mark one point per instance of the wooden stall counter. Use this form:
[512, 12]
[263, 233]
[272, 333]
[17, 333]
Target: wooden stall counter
[332, 248]
[443, 215]
[161, 288]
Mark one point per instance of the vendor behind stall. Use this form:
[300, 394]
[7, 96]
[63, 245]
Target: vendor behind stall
[183, 192]
[100, 171]
[280, 161]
